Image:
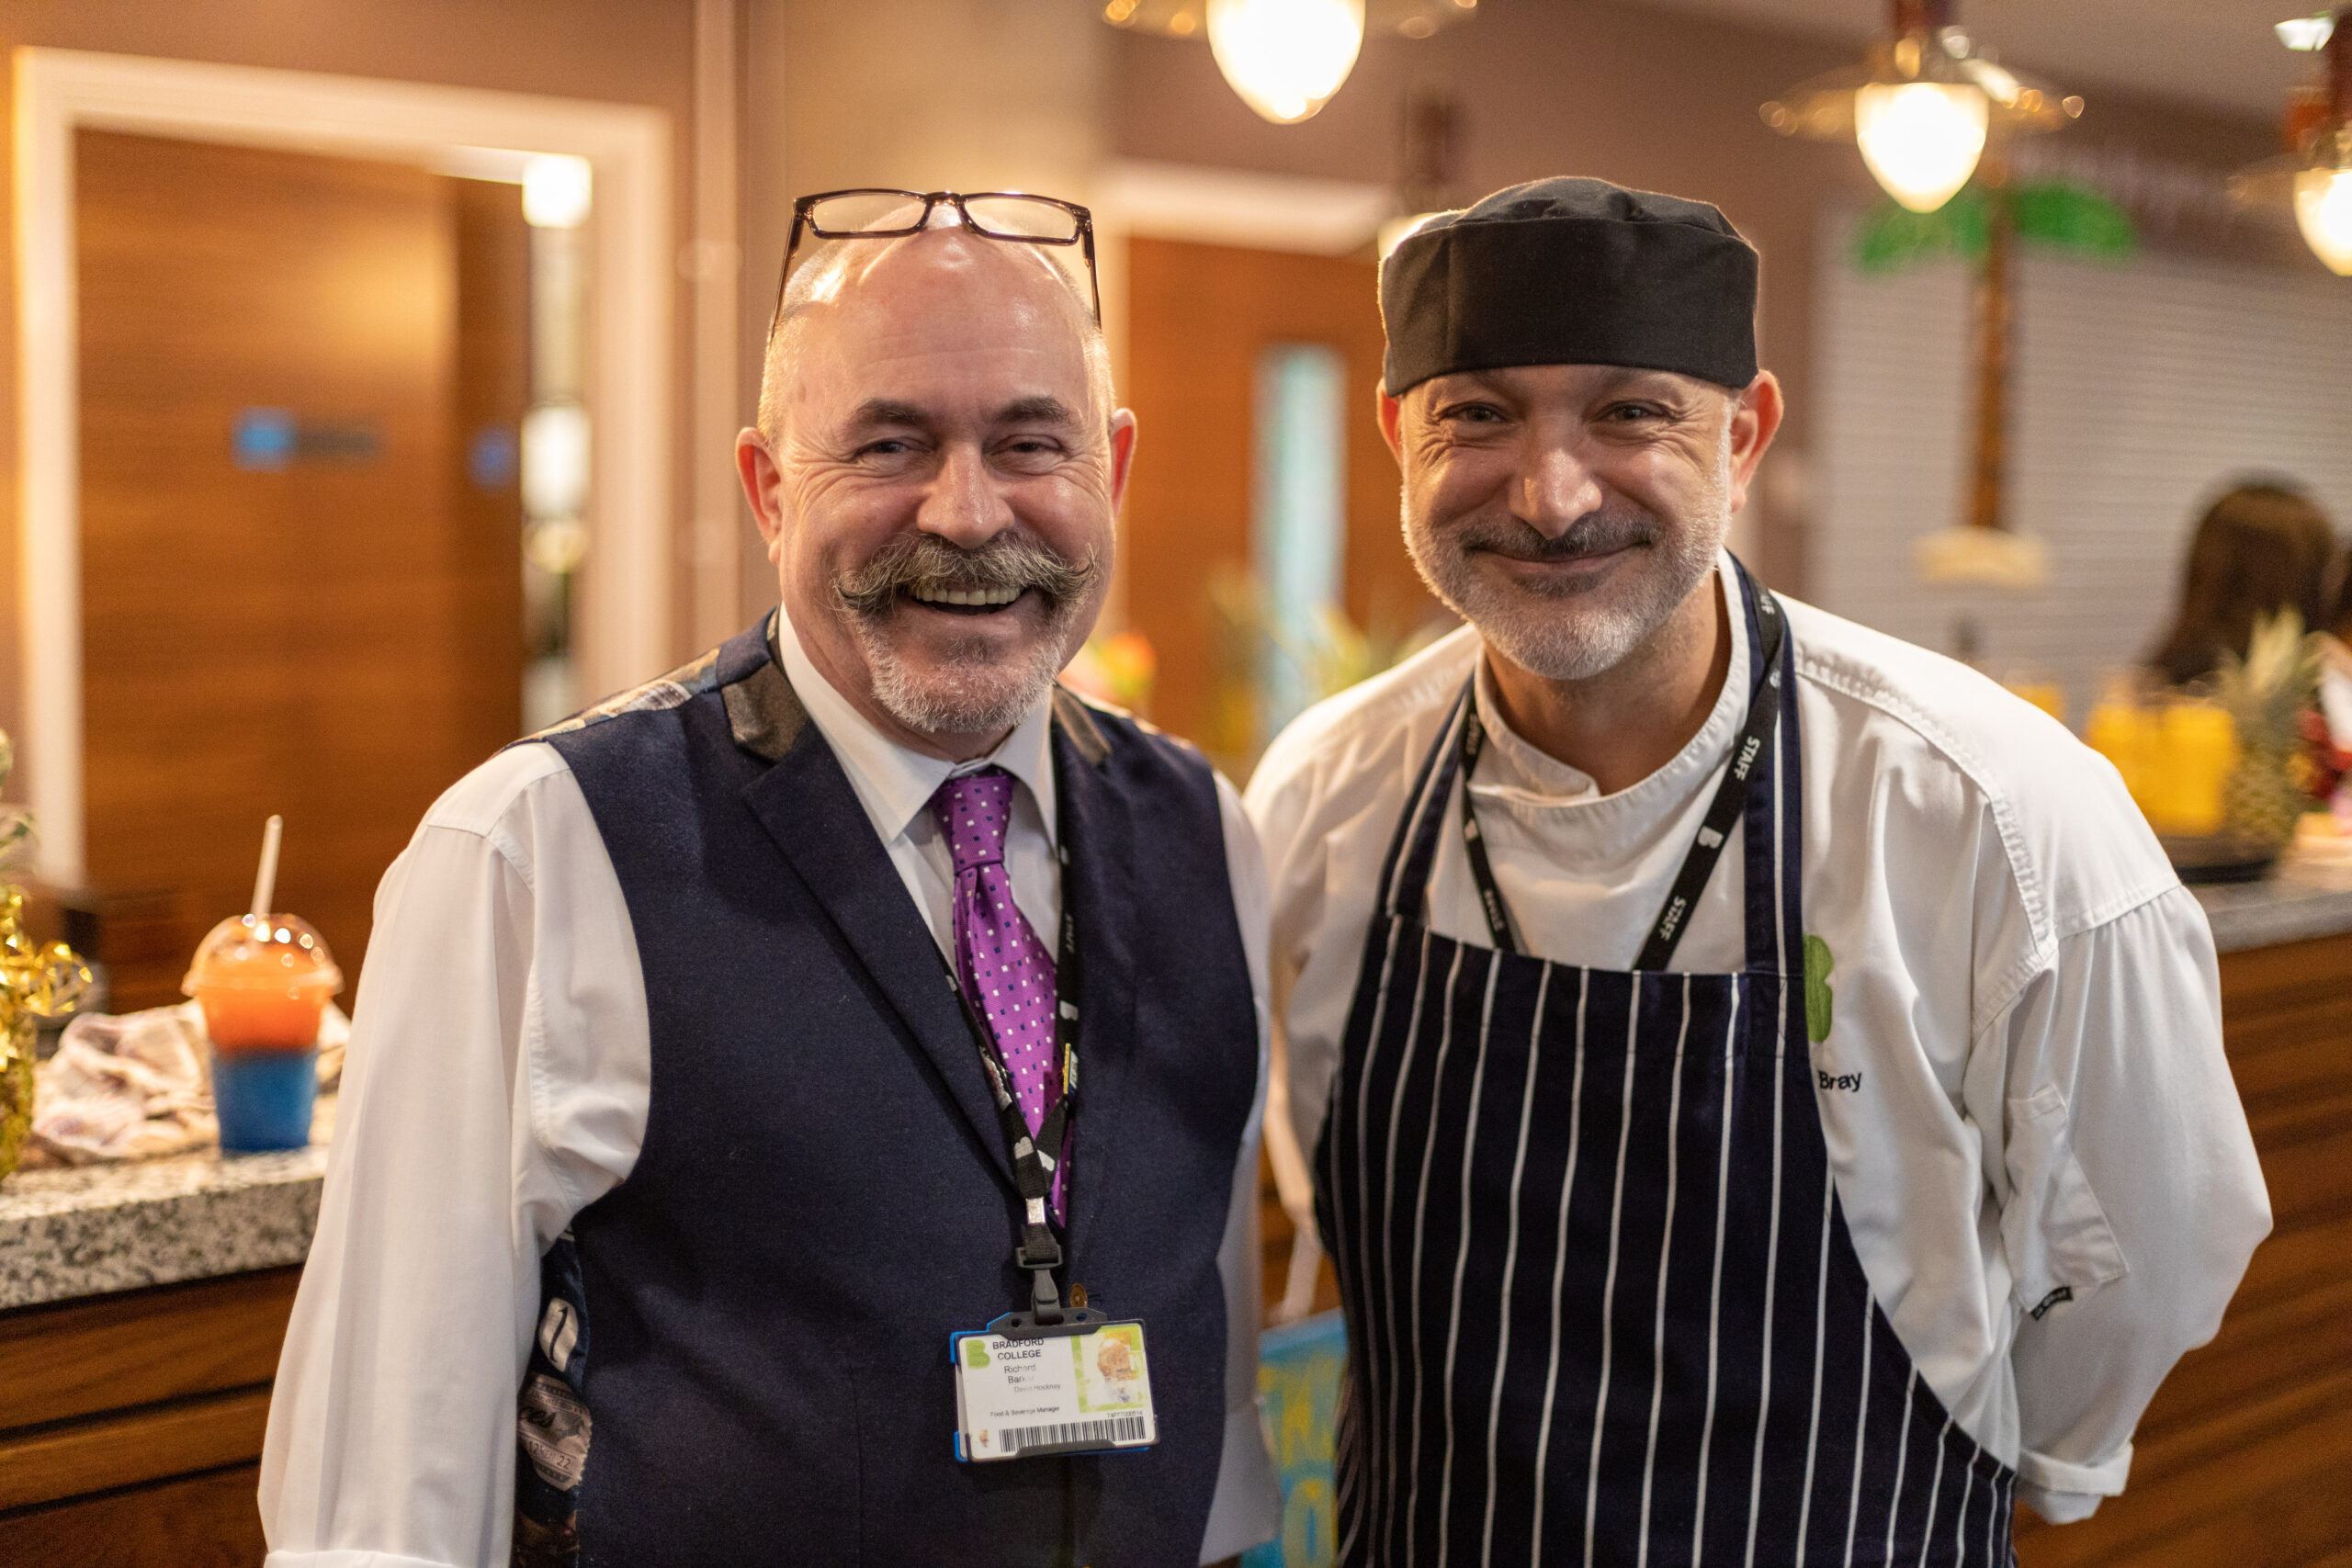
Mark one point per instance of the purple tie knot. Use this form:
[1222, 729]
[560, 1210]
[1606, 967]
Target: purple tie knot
[974, 811]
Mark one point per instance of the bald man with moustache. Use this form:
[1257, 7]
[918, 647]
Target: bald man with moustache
[717, 1061]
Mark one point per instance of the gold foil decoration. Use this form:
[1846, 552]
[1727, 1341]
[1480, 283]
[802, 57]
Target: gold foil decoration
[36, 983]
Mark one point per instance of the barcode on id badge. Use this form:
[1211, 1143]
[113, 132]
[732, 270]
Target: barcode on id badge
[1111, 1429]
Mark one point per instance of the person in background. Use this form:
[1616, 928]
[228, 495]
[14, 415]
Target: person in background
[2258, 549]
[1766, 1080]
[716, 1055]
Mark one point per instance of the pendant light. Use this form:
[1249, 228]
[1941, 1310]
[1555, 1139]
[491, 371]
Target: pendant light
[1922, 107]
[2315, 175]
[1285, 58]
[1921, 140]
[2323, 212]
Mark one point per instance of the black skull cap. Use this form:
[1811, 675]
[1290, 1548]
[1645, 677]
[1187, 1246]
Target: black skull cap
[1570, 271]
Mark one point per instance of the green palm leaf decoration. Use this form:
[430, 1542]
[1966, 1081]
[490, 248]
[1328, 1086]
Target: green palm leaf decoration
[2069, 217]
[1894, 237]
[2057, 213]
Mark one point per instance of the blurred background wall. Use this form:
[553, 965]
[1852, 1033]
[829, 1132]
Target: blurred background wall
[1238, 265]
[271, 631]
[631, 52]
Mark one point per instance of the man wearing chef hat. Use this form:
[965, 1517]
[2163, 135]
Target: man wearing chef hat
[1763, 1082]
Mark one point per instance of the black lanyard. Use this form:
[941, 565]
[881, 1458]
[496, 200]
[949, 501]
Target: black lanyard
[1033, 1158]
[1731, 799]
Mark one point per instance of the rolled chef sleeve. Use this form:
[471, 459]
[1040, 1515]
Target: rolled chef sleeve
[2133, 1196]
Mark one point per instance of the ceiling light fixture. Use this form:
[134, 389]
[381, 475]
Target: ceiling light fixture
[1286, 58]
[2304, 34]
[1922, 107]
[2315, 175]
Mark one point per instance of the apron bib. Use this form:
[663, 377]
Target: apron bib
[1601, 1304]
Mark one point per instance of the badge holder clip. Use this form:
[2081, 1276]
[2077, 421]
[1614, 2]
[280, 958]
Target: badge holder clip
[1041, 1254]
[1028, 1325]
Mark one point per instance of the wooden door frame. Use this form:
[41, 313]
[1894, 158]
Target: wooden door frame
[625, 612]
[1143, 198]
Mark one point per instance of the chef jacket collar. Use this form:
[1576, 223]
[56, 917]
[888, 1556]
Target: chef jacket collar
[894, 783]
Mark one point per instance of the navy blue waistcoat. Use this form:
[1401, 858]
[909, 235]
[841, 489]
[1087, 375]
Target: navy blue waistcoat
[823, 1193]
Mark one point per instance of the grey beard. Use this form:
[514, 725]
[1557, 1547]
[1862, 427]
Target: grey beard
[979, 697]
[981, 693]
[1563, 636]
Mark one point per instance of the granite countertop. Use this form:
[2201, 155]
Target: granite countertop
[87, 1230]
[2310, 896]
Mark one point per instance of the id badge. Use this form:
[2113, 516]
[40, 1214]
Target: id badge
[1078, 1387]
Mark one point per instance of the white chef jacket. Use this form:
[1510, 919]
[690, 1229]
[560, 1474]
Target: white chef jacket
[496, 1085]
[2027, 991]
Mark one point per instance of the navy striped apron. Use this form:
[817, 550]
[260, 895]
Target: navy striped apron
[1602, 1307]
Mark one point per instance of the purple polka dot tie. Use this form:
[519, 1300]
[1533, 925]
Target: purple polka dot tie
[1006, 972]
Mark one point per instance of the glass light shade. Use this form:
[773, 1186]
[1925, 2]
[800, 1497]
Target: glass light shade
[1285, 58]
[2305, 34]
[2323, 212]
[1921, 140]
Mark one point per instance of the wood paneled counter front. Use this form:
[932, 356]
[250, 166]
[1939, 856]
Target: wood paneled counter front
[140, 1312]
[141, 1308]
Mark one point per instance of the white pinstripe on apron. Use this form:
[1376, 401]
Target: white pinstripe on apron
[1602, 1307]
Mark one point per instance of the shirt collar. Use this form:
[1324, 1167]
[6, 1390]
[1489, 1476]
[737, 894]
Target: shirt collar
[894, 783]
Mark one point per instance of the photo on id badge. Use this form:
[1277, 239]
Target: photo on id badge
[1111, 1363]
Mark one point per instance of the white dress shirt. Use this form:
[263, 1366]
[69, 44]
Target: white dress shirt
[496, 1085]
[2028, 992]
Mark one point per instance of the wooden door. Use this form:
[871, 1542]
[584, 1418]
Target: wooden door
[1199, 317]
[285, 605]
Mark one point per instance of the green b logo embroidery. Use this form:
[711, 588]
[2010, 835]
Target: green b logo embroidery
[1818, 995]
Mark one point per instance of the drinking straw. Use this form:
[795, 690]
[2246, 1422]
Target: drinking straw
[265, 878]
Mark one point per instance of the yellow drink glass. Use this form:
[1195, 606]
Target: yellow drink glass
[2198, 749]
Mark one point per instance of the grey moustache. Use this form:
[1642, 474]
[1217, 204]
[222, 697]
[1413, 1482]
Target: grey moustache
[1010, 561]
[1588, 536]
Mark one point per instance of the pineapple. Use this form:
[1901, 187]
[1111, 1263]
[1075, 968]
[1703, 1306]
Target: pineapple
[2265, 694]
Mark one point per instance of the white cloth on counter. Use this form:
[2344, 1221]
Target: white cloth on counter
[498, 1085]
[2030, 996]
[139, 1086]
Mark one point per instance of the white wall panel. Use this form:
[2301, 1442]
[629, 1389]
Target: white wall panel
[2139, 389]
